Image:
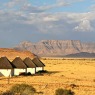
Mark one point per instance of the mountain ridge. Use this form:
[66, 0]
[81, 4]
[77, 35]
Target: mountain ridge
[57, 47]
[81, 55]
[12, 53]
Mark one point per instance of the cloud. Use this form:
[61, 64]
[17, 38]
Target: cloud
[19, 25]
[26, 6]
[46, 22]
[50, 18]
[92, 8]
[84, 26]
[83, 21]
[36, 9]
[13, 3]
[59, 3]
[30, 19]
[69, 1]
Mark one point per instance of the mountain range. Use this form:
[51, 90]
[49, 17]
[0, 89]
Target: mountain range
[58, 48]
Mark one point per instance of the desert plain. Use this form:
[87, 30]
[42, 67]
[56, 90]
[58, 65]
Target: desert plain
[77, 75]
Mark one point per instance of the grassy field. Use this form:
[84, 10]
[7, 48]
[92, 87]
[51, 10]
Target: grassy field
[75, 74]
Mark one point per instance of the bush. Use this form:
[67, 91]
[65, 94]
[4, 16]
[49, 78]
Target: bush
[20, 89]
[61, 91]
[7, 93]
[29, 74]
[23, 89]
[73, 85]
[42, 71]
[22, 74]
[25, 74]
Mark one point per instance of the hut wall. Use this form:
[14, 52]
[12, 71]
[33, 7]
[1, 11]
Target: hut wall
[6, 72]
[39, 69]
[31, 70]
[18, 71]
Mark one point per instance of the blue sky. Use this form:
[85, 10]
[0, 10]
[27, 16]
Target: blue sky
[35, 20]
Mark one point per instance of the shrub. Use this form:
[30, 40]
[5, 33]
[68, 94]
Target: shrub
[22, 74]
[42, 71]
[7, 93]
[29, 74]
[93, 80]
[23, 89]
[73, 85]
[25, 74]
[61, 91]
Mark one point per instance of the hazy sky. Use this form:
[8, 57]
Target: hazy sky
[35, 20]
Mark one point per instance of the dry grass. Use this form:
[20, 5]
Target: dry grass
[76, 75]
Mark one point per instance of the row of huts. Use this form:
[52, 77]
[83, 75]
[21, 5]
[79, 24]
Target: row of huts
[18, 66]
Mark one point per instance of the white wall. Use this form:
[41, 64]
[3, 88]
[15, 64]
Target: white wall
[18, 71]
[31, 70]
[39, 69]
[5, 72]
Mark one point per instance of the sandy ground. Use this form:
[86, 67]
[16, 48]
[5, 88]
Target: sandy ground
[63, 74]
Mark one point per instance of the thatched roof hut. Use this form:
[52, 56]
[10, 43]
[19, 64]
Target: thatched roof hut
[18, 63]
[5, 63]
[37, 62]
[29, 63]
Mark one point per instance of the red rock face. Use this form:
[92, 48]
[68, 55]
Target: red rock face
[57, 47]
[12, 53]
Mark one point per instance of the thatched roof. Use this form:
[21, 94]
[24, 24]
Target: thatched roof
[5, 63]
[18, 63]
[28, 62]
[38, 62]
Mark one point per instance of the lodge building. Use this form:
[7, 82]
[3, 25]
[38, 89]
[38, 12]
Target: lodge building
[18, 66]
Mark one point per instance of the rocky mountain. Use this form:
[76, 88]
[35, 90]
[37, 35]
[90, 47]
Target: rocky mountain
[57, 47]
[12, 53]
[81, 55]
